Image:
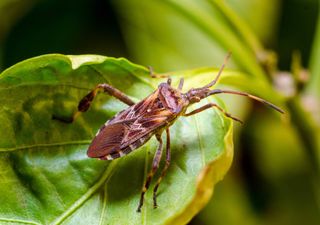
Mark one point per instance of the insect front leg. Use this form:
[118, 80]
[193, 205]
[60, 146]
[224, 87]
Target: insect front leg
[155, 166]
[209, 105]
[85, 102]
[164, 171]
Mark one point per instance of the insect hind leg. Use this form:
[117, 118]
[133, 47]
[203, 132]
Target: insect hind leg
[164, 171]
[155, 166]
[86, 101]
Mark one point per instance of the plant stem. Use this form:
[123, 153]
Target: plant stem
[309, 134]
[307, 131]
[314, 64]
[244, 30]
[217, 30]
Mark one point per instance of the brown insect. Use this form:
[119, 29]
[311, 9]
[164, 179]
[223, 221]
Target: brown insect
[134, 126]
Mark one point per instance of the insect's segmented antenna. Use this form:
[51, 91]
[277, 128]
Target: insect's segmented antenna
[218, 91]
[220, 71]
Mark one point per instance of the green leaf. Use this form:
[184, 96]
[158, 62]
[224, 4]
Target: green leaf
[45, 174]
[209, 27]
[313, 85]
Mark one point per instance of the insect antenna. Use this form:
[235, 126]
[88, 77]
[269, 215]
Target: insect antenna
[218, 91]
[220, 71]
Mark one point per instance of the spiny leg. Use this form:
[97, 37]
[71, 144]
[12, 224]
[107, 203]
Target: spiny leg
[164, 171]
[209, 105]
[155, 166]
[85, 102]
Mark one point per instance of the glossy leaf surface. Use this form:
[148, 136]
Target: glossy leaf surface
[45, 174]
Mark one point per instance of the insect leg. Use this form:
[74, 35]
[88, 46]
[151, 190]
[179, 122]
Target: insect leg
[85, 102]
[169, 81]
[164, 171]
[209, 105]
[220, 71]
[181, 84]
[155, 166]
[155, 75]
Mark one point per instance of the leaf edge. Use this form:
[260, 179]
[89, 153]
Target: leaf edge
[206, 180]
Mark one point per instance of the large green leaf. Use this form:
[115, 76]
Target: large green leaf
[45, 175]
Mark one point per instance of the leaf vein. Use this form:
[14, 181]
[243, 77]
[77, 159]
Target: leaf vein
[78, 203]
[104, 206]
[43, 84]
[199, 140]
[18, 221]
[80, 142]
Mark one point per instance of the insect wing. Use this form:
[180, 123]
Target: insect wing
[152, 115]
[145, 126]
[108, 140]
[131, 128]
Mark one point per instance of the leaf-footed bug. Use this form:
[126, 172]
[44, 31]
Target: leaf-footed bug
[134, 126]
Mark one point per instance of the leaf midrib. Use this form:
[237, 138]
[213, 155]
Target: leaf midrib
[18, 221]
[80, 142]
[78, 203]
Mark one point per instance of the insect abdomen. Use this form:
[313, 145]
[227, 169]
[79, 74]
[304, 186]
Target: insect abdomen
[129, 148]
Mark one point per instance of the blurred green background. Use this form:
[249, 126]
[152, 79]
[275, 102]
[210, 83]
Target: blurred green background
[275, 175]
